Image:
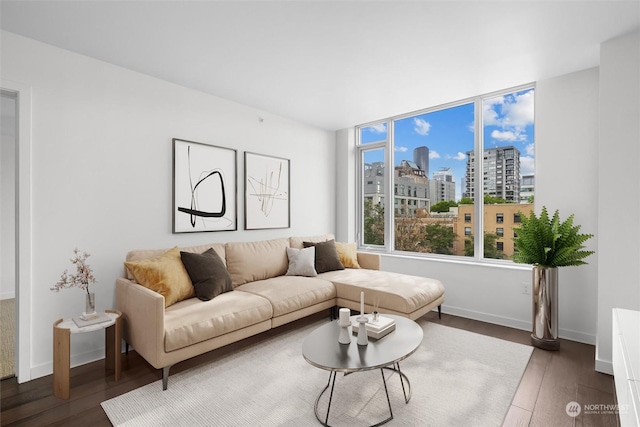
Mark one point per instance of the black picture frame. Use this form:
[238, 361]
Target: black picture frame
[205, 187]
[267, 183]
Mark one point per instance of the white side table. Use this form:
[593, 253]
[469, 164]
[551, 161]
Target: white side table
[62, 330]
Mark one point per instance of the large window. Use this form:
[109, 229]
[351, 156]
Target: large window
[421, 176]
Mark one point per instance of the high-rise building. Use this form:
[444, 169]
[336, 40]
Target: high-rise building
[441, 191]
[501, 173]
[421, 158]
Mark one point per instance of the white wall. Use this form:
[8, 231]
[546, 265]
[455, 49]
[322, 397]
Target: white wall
[8, 197]
[566, 151]
[619, 184]
[567, 179]
[101, 181]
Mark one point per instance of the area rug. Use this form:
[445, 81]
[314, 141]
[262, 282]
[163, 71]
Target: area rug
[458, 378]
[7, 337]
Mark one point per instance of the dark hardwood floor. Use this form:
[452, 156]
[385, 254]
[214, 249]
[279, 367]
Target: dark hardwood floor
[550, 382]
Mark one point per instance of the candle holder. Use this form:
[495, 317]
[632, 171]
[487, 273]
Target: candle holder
[345, 336]
[362, 331]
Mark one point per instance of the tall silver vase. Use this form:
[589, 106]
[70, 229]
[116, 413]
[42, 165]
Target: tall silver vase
[545, 308]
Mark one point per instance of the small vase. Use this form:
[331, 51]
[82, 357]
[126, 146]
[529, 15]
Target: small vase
[90, 306]
[362, 331]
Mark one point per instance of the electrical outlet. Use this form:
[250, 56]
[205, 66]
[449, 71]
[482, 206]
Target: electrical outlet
[526, 288]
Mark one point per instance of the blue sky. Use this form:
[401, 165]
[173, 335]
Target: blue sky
[508, 120]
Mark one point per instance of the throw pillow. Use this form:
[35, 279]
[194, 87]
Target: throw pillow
[208, 274]
[348, 254]
[164, 274]
[326, 256]
[301, 262]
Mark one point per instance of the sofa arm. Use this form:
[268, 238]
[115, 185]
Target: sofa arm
[369, 261]
[143, 313]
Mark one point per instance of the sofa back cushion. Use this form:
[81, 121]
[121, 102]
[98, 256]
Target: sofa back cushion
[296, 242]
[251, 261]
[139, 254]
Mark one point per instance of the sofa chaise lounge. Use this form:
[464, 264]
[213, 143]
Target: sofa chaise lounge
[263, 297]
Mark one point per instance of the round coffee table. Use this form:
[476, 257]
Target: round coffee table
[322, 350]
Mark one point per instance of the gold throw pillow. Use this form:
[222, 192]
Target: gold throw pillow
[348, 254]
[164, 274]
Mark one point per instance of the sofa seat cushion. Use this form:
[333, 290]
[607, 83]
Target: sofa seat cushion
[384, 289]
[291, 293]
[192, 321]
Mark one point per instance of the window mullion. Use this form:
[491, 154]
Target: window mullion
[389, 216]
[478, 206]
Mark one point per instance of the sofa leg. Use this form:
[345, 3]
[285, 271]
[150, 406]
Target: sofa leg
[440, 311]
[165, 377]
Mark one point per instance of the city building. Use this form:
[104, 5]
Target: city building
[499, 219]
[501, 173]
[527, 187]
[373, 176]
[440, 191]
[444, 174]
[411, 189]
[421, 158]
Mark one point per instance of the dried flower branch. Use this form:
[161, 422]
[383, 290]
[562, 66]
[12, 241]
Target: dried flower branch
[83, 277]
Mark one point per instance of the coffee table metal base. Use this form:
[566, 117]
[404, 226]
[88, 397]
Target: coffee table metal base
[332, 381]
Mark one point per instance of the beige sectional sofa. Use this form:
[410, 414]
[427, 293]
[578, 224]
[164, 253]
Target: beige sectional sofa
[263, 297]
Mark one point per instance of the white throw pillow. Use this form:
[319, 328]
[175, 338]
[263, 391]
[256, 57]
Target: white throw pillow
[301, 262]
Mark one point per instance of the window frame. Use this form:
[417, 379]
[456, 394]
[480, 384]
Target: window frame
[477, 173]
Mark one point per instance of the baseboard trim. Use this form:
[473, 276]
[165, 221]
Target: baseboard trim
[515, 323]
[486, 317]
[604, 366]
[76, 360]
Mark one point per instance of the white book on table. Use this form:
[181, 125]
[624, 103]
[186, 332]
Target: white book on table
[380, 324]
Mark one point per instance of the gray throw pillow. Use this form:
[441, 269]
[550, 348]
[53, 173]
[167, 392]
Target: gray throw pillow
[208, 274]
[301, 262]
[327, 258]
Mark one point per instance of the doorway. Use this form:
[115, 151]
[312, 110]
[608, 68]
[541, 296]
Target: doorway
[16, 254]
[8, 276]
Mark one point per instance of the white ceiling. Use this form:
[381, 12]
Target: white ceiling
[333, 64]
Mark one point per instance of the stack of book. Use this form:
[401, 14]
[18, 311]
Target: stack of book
[377, 328]
[91, 319]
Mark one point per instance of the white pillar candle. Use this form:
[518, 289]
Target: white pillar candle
[361, 303]
[344, 316]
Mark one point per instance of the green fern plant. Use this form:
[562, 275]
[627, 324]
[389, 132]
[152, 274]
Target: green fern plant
[547, 242]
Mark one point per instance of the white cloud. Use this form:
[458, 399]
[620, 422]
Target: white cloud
[379, 128]
[509, 135]
[527, 166]
[489, 114]
[434, 154]
[516, 111]
[401, 149]
[459, 156]
[422, 126]
[529, 150]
